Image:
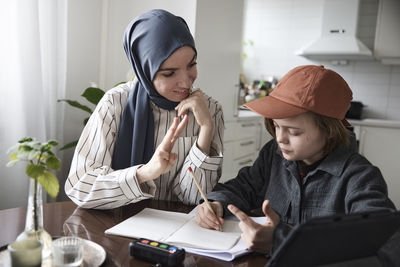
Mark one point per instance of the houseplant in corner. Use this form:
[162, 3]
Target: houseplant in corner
[40, 162]
[91, 94]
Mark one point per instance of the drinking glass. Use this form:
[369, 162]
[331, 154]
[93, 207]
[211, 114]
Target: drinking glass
[67, 251]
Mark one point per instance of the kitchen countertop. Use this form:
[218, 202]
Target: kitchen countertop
[375, 123]
[244, 114]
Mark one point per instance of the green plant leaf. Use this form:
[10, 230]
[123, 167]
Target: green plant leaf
[49, 183]
[76, 104]
[53, 163]
[24, 148]
[34, 171]
[42, 158]
[45, 147]
[12, 163]
[93, 94]
[33, 154]
[53, 143]
[70, 145]
[14, 147]
[13, 159]
[118, 84]
[33, 144]
[14, 156]
[24, 155]
[25, 139]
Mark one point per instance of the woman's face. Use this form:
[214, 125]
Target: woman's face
[176, 75]
[299, 138]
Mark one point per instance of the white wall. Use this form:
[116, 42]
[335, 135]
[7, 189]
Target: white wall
[83, 54]
[280, 27]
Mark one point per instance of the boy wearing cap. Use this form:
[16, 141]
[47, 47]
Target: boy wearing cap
[309, 169]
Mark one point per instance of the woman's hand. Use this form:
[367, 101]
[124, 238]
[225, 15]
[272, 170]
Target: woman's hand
[206, 219]
[196, 103]
[163, 159]
[257, 237]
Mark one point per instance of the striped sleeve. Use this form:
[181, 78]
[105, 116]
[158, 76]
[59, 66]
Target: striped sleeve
[207, 168]
[91, 182]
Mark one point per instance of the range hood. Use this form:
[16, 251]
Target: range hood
[338, 40]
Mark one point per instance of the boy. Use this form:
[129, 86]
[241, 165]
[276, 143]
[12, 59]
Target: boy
[309, 169]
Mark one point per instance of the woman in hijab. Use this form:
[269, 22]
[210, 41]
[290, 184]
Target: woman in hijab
[144, 135]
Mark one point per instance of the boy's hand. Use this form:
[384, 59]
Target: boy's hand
[257, 237]
[206, 219]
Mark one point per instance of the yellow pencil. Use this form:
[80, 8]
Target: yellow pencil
[204, 196]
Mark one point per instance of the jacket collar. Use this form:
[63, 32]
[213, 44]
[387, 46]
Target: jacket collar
[334, 163]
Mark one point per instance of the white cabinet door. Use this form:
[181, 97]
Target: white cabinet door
[381, 146]
[227, 170]
[235, 130]
[265, 136]
[218, 36]
[387, 36]
[241, 146]
[232, 167]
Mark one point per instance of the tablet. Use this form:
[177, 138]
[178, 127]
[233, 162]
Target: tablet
[334, 239]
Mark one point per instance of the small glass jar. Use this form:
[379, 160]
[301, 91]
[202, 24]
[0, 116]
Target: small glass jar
[67, 251]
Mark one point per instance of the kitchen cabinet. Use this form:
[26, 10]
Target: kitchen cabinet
[387, 35]
[218, 35]
[242, 141]
[381, 146]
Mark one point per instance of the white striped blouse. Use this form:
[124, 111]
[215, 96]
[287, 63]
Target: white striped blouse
[92, 183]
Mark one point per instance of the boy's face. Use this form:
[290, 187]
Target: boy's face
[300, 139]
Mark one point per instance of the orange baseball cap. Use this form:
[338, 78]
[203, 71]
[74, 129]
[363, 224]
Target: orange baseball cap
[306, 88]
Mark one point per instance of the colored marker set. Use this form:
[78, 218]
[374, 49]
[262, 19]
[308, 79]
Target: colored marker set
[156, 252]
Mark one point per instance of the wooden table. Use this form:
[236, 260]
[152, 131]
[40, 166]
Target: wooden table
[65, 218]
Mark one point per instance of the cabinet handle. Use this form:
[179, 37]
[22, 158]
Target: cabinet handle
[245, 162]
[245, 125]
[247, 143]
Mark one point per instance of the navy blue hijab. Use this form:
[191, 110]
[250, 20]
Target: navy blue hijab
[149, 40]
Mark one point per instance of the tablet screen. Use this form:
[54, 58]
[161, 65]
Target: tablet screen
[338, 238]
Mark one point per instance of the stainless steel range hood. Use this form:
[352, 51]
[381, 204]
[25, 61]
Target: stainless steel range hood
[338, 39]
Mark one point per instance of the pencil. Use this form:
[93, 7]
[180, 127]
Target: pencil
[204, 196]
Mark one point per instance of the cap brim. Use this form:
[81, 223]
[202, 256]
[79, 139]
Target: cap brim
[270, 107]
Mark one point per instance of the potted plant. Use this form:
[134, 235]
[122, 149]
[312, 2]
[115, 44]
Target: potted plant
[40, 163]
[91, 94]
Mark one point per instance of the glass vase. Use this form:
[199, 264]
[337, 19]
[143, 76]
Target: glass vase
[34, 219]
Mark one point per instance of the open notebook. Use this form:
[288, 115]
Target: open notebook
[181, 229]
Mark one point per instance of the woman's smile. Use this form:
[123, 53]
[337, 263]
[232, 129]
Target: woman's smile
[182, 92]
